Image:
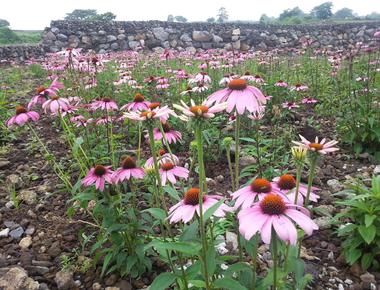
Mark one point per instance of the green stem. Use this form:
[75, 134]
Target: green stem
[298, 180]
[257, 127]
[237, 147]
[198, 133]
[274, 258]
[139, 144]
[313, 165]
[228, 153]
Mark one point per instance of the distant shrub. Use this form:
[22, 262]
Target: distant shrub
[7, 36]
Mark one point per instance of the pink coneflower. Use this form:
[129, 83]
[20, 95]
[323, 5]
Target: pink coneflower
[171, 135]
[80, 121]
[258, 79]
[199, 88]
[170, 171]
[104, 120]
[188, 91]
[309, 101]
[248, 77]
[299, 88]
[159, 112]
[98, 175]
[281, 84]
[70, 52]
[201, 77]
[239, 95]
[162, 83]
[43, 93]
[56, 104]
[138, 104]
[185, 209]
[22, 116]
[274, 211]
[226, 79]
[290, 105]
[258, 115]
[127, 170]
[162, 158]
[286, 184]
[248, 195]
[377, 34]
[205, 110]
[320, 147]
[105, 104]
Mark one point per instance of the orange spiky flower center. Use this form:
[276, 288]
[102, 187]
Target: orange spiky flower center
[166, 127]
[99, 170]
[54, 98]
[138, 98]
[261, 185]
[272, 204]
[154, 105]
[20, 110]
[192, 196]
[237, 84]
[161, 152]
[316, 146]
[167, 166]
[128, 163]
[287, 182]
[148, 114]
[106, 99]
[40, 89]
[199, 110]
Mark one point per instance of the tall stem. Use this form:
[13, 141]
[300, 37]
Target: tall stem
[228, 153]
[198, 133]
[313, 164]
[237, 147]
[257, 127]
[274, 258]
[298, 180]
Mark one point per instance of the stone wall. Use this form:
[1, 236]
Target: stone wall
[119, 35]
[155, 35]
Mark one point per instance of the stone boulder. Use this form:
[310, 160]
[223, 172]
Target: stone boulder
[202, 36]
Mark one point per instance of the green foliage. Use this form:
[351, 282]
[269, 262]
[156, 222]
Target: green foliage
[361, 228]
[289, 13]
[344, 13]
[222, 15]
[4, 23]
[322, 11]
[89, 14]
[7, 36]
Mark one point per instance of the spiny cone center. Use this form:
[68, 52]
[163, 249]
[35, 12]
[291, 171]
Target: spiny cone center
[40, 89]
[287, 182]
[316, 146]
[199, 110]
[99, 170]
[148, 114]
[192, 196]
[154, 105]
[237, 84]
[167, 166]
[106, 99]
[161, 152]
[128, 163]
[54, 98]
[273, 204]
[138, 98]
[261, 185]
[20, 110]
[166, 127]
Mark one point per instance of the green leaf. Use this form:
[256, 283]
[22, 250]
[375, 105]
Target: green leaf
[353, 255]
[212, 210]
[106, 261]
[163, 281]
[172, 192]
[366, 261]
[183, 247]
[198, 283]
[157, 213]
[368, 219]
[228, 283]
[367, 233]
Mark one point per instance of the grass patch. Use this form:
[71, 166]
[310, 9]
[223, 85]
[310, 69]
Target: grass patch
[8, 36]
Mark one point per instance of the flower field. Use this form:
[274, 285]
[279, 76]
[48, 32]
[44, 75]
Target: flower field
[173, 170]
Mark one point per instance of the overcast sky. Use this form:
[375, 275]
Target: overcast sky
[37, 14]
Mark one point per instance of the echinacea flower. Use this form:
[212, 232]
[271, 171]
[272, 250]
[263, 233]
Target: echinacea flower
[205, 110]
[275, 212]
[185, 209]
[309, 101]
[248, 195]
[160, 112]
[258, 115]
[138, 104]
[299, 88]
[281, 84]
[286, 184]
[170, 171]
[127, 170]
[43, 93]
[162, 158]
[171, 135]
[290, 105]
[105, 104]
[238, 94]
[320, 147]
[56, 104]
[98, 175]
[22, 116]
[201, 77]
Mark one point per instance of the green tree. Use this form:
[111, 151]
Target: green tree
[344, 13]
[170, 18]
[108, 16]
[322, 11]
[4, 23]
[210, 20]
[289, 13]
[180, 18]
[373, 16]
[222, 15]
[81, 14]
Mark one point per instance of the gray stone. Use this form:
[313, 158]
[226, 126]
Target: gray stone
[323, 223]
[134, 44]
[376, 170]
[335, 185]
[17, 278]
[114, 46]
[55, 30]
[236, 31]
[121, 36]
[73, 41]
[86, 40]
[28, 196]
[50, 36]
[111, 38]
[62, 37]
[160, 33]
[191, 49]
[102, 32]
[64, 280]
[4, 233]
[185, 37]
[25, 243]
[14, 180]
[262, 45]
[16, 233]
[202, 36]
[216, 38]
[247, 160]
[236, 44]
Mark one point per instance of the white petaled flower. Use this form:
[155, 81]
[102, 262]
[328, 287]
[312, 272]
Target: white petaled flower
[321, 147]
[205, 110]
[149, 115]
